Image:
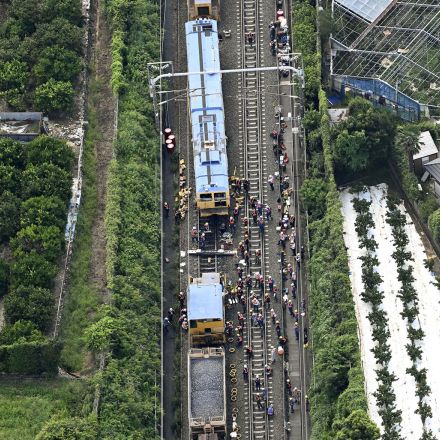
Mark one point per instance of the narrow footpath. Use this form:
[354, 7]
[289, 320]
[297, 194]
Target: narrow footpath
[105, 114]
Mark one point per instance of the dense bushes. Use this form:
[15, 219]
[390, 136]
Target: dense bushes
[40, 54]
[30, 357]
[131, 379]
[434, 224]
[36, 190]
[364, 139]
[63, 428]
[304, 36]
[339, 383]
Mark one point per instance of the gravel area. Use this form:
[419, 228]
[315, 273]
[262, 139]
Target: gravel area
[207, 387]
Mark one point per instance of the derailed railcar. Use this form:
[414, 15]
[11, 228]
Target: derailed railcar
[206, 112]
[204, 9]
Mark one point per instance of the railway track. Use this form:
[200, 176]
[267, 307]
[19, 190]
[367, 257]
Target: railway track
[209, 227]
[258, 426]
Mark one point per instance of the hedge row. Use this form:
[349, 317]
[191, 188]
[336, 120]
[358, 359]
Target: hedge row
[338, 391]
[130, 382]
[30, 357]
[304, 39]
[35, 186]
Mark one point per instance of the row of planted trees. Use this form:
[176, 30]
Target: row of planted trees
[35, 182]
[409, 298]
[372, 295]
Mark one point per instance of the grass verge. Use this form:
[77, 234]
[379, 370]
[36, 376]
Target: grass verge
[27, 404]
[82, 298]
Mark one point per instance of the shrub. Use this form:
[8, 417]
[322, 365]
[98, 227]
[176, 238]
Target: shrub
[73, 428]
[357, 426]
[58, 32]
[10, 179]
[434, 224]
[44, 240]
[45, 149]
[43, 211]
[19, 332]
[33, 269]
[9, 215]
[4, 277]
[314, 192]
[58, 64]
[12, 153]
[36, 357]
[54, 95]
[427, 206]
[30, 303]
[46, 180]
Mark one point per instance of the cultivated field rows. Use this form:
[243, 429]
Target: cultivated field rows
[428, 319]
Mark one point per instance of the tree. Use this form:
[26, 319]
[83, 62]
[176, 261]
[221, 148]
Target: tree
[45, 149]
[68, 428]
[58, 64]
[44, 240]
[357, 426]
[58, 32]
[350, 150]
[33, 269]
[13, 75]
[379, 127]
[10, 179]
[9, 215]
[4, 277]
[54, 95]
[12, 153]
[407, 138]
[30, 303]
[314, 192]
[27, 13]
[20, 331]
[99, 334]
[46, 180]
[68, 9]
[43, 211]
[434, 224]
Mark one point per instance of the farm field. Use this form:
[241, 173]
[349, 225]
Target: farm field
[405, 385]
[26, 405]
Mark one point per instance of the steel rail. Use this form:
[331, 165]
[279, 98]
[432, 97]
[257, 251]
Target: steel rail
[253, 170]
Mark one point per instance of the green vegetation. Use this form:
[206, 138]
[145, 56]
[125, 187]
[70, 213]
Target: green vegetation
[27, 404]
[36, 189]
[82, 299]
[363, 140]
[40, 54]
[338, 403]
[434, 224]
[131, 379]
[410, 300]
[385, 396]
[304, 36]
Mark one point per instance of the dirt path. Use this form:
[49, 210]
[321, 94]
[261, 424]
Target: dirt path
[105, 112]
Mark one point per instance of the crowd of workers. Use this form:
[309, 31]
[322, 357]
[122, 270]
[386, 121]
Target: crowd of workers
[252, 292]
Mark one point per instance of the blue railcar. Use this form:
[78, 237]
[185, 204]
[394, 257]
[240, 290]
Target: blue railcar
[207, 118]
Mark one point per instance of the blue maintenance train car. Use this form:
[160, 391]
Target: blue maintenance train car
[207, 118]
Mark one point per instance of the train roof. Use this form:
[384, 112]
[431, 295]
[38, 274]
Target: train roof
[205, 301]
[206, 106]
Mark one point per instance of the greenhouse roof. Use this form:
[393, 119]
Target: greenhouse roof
[368, 9]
